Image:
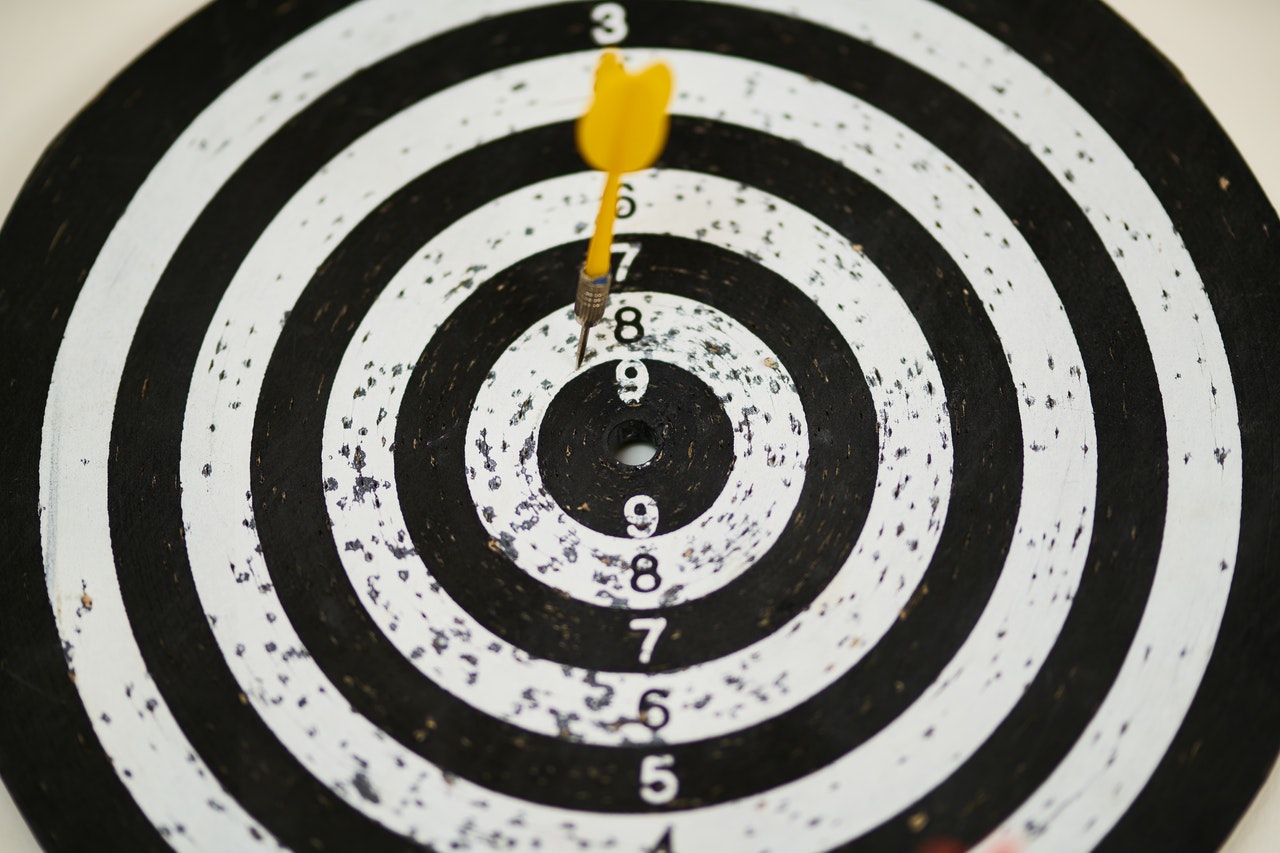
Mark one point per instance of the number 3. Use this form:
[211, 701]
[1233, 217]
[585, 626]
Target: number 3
[611, 20]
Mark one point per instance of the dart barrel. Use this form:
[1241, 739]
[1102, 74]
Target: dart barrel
[591, 298]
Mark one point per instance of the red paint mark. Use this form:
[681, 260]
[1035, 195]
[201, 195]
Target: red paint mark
[940, 845]
[951, 845]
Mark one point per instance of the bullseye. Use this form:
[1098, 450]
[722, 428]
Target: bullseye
[632, 443]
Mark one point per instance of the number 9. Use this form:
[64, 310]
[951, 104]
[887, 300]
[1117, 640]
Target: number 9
[633, 380]
[641, 513]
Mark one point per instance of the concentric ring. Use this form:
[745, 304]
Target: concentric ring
[745, 518]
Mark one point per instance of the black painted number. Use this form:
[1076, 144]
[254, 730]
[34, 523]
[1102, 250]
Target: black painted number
[627, 328]
[645, 566]
[653, 714]
[626, 202]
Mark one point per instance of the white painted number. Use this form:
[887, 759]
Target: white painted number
[641, 513]
[611, 23]
[653, 626]
[658, 783]
[633, 380]
[628, 252]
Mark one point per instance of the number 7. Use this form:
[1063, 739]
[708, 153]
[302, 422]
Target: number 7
[629, 252]
[653, 626]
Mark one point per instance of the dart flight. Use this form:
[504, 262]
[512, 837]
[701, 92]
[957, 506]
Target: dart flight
[624, 130]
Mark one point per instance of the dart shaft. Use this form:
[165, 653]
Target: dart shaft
[598, 252]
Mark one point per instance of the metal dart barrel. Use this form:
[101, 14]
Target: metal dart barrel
[588, 306]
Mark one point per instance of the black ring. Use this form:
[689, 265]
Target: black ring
[586, 424]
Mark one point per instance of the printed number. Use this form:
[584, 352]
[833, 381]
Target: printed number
[644, 566]
[633, 380]
[627, 318]
[611, 23]
[664, 843]
[658, 782]
[648, 706]
[626, 203]
[653, 626]
[641, 513]
[628, 252]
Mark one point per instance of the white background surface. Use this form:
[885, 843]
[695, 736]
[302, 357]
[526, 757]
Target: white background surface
[55, 55]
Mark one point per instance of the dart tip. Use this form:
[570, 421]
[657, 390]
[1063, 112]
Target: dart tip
[582, 345]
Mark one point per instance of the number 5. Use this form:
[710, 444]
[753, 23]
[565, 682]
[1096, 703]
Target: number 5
[658, 783]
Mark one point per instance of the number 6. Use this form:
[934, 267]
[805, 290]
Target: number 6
[648, 706]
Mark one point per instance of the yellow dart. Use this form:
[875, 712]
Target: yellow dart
[623, 130]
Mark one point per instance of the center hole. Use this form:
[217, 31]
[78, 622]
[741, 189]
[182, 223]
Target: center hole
[631, 442]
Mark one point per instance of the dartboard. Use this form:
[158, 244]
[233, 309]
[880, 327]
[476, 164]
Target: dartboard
[917, 490]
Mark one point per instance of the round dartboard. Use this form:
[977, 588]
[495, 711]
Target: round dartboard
[917, 491]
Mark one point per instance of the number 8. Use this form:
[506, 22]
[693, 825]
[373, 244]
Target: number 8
[645, 566]
[624, 319]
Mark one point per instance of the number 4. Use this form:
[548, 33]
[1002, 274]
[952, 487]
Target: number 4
[653, 626]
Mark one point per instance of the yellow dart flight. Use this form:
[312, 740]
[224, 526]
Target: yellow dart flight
[624, 130]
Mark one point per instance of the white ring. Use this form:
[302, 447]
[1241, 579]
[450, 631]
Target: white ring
[770, 676]
[770, 453]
